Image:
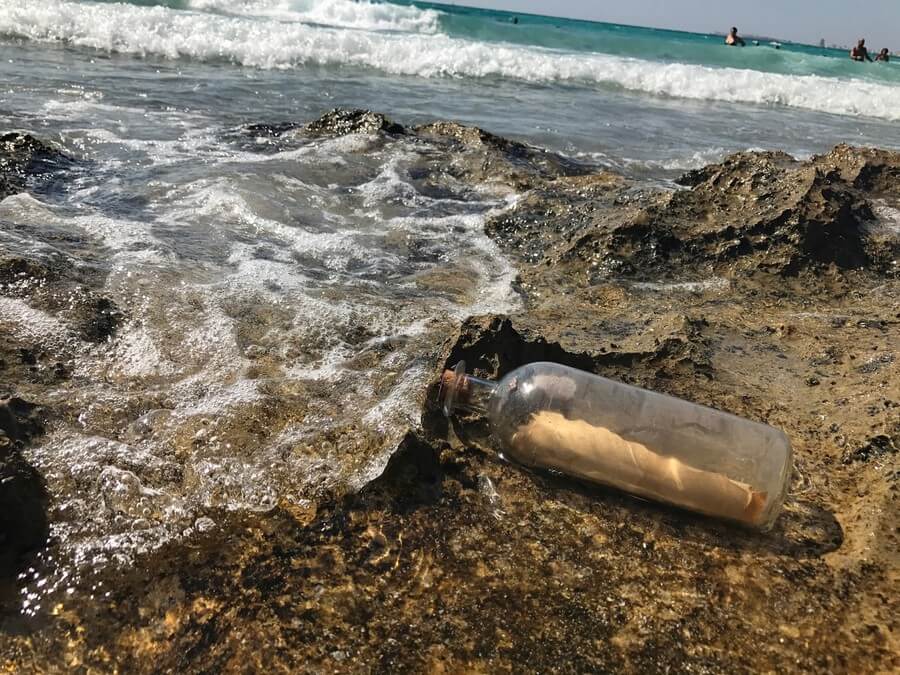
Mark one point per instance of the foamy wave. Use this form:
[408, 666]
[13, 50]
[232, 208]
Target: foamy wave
[33, 324]
[694, 160]
[342, 13]
[269, 43]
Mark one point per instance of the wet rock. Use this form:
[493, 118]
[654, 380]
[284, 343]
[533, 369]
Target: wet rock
[542, 224]
[753, 212]
[867, 169]
[21, 271]
[97, 319]
[875, 447]
[23, 517]
[462, 154]
[21, 156]
[471, 137]
[23, 499]
[342, 121]
[477, 156]
[57, 287]
[272, 130]
[19, 420]
[798, 214]
[765, 166]
[492, 346]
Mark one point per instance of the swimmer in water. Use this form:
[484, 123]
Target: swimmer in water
[883, 55]
[733, 39]
[859, 52]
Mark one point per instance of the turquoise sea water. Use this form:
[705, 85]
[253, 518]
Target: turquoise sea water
[664, 46]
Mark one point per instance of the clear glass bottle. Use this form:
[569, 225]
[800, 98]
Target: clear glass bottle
[652, 445]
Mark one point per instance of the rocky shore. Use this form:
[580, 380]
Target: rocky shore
[764, 286]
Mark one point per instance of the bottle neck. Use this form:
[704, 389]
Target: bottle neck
[478, 394]
[464, 392]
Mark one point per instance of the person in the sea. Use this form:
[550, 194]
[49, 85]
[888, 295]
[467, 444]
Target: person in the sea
[883, 55]
[734, 40]
[859, 52]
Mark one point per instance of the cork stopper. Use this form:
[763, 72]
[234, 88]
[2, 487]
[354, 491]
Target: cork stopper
[454, 388]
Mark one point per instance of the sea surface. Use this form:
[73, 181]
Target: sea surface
[321, 271]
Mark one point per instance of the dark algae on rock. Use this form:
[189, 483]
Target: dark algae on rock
[759, 276]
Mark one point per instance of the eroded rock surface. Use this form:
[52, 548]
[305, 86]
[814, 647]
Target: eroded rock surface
[342, 121]
[755, 211]
[769, 288]
[459, 153]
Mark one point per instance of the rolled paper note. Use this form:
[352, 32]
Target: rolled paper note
[598, 454]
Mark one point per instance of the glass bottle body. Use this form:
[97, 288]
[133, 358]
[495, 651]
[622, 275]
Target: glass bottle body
[550, 416]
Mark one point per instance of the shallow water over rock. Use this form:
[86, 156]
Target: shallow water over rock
[262, 329]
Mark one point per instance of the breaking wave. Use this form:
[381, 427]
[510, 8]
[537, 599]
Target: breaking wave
[379, 16]
[403, 40]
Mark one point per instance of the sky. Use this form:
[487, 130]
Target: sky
[838, 21]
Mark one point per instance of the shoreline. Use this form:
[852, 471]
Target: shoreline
[765, 286]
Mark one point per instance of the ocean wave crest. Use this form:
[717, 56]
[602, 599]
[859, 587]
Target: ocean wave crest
[363, 14]
[271, 43]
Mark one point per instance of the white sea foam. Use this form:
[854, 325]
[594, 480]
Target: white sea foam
[111, 512]
[390, 185]
[888, 217]
[135, 355]
[343, 13]
[32, 324]
[258, 41]
[218, 201]
[119, 235]
[693, 160]
[160, 152]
